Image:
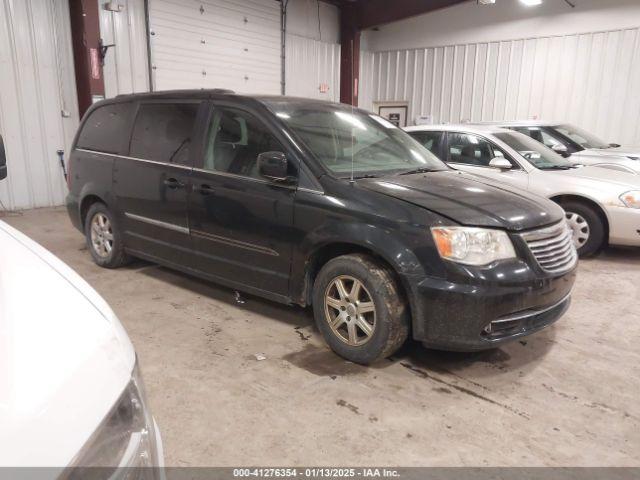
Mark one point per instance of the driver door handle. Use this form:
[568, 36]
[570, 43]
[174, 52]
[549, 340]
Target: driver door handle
[173, 184]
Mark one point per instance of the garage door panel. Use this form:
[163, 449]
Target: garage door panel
[172, 40]
[216, 44]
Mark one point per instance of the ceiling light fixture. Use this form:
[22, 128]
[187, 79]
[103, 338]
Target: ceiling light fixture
[531, 3]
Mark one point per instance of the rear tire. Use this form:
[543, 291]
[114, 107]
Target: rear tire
[359, 309]
[587, 226]
[104, 237]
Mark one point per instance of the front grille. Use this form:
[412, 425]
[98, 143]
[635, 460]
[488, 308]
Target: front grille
[553, 247]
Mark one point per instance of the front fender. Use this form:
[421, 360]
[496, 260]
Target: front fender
[383, 242]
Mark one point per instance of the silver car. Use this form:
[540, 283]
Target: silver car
[602, 205]
[578, 145]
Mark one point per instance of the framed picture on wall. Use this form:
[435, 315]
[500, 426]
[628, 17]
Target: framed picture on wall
[396, 114]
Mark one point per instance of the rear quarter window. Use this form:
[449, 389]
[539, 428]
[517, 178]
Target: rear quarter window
[107, 129]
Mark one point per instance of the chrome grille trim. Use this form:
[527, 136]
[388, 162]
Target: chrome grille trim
[552, 247]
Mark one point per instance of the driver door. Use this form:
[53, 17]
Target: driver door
[241, 223]
[472, 153]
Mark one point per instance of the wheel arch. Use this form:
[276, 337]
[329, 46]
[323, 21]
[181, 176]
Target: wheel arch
[86, 203]
[559, 199]
[324, 253]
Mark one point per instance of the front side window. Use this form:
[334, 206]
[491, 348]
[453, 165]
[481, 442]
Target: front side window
[347, 141]
[234, 140]
[107, 129]
[537, 154]
[163, 132]
[469, 149]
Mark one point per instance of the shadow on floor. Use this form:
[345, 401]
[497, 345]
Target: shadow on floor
[316, 358]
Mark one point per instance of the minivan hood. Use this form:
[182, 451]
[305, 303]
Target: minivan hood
[64, 356]
[470, 200]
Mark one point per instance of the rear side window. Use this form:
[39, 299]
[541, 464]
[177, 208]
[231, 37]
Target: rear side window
[107, 129]
[163, 132]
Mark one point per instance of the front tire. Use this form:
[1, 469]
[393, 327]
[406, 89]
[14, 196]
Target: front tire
[587, 227]
[104, 237]
[359, 309]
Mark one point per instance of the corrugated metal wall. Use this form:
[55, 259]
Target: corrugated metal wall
[125, 67]
[231, 44]
[587, 79]
[37, 84]
[309, 64]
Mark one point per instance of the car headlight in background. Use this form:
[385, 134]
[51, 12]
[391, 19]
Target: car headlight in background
[126, 438]
[472, 246]
[631, 199]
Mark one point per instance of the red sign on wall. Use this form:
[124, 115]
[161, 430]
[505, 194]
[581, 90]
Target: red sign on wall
[95, 63]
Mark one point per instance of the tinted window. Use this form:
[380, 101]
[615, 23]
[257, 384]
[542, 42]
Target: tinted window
[234, 141]
[430, 140]
[163, 132]
[473, 150]
[106, 129]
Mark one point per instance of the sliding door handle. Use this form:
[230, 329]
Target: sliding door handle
[205, 189]
[173, 184]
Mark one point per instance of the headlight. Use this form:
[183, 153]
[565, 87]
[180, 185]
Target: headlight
[125, 438]
[472, 246]
[631, 199]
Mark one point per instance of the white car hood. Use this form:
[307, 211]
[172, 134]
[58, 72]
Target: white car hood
[602, 179]
[611, 152]
[64, 356]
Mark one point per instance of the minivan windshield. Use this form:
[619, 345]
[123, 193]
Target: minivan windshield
[346, 141]
[579, 136]
[535, 152]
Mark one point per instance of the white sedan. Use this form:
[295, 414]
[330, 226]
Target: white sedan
[602, 205]
[578, 145]
[70, 390]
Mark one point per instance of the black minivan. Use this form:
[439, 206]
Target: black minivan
[313, 203]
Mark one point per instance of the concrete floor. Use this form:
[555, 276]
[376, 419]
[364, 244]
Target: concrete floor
[568, 396]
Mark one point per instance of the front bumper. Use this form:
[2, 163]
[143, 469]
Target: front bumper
[482, 310]
[624, 226]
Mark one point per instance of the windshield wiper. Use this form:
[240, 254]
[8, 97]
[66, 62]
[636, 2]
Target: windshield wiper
[417, 170]
[557, 167]
[364, 175]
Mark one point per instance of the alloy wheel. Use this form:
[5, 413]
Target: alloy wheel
[350, 310]
[579, 228]
[101, 235]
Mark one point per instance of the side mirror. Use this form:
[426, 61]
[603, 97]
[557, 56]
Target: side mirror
[560, 149]
[500, 163]
[273, 165]
[3, 160]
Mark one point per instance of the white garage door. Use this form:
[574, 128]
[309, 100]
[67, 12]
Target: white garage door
[231, 44]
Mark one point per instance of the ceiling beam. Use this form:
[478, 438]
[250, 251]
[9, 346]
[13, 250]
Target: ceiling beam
[373, 13]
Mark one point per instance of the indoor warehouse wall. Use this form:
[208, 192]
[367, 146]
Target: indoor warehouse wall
[38, 103]
[185, 44]
[578, 65]
[313, 50]
[126, 68]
